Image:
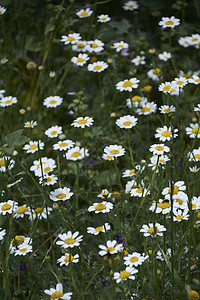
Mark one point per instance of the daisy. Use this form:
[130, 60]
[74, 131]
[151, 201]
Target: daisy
[195, 40]
[67, 258]
[195, 203]
[130, 185]
[7, 101]
[164, 56]
[180, 215]
[126, 122]
[48, 180]
[156, 163]
[108, 157]
[185, 41]
[23, 249]
[8, 207]
[30, 124]
[135, 259]
[80, 46]
[160, 255]
[43, 166]
[19, 240]
[138, 60]
[136, 101]
[53, 131]
[71, 38]
[84, 13]
[159, 149]
[163, 206]
[139, 192]
[60, 194]
[3, 60]
[97, 230]
[178, 186]
[103, 18]
[2, 10]
[6, 163]
[166, 109]
[32, 147]
[104, 194]
[197, 108]
[120, 45]
[127, 84]
[114, 150]
[63, 145]
[128, 273]
[153, 229]
[154, 74]
[165, 134]
[179, 82]
[129, 173]
[103, 207]
[21, 211]
[76, 153]
[130, 5]
[194, 155]
[180, 200]
[58, 293]
[80, 60]
[165, 87]
[52, 74]
[147, 108]
[69, 240]
[40, 213]
[169, 22]
[52, 101]
[98, 66]
[82, 122]
[110, 248]
[95, 46]
[2, 233]
[194, 169]
[193, 131]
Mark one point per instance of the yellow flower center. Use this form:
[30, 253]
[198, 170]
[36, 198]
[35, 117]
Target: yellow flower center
[63, 144]
[197, 156]
[139, 191]
[2, 162]
[38, 210]
[82, 121]
[100, 206]
[48, 179]
[132, 171]
[127, 83]
[159, 148]
[164, 204]
[175, 190]
[80, 46]
[71, 39]
[109, 157]
[97, 68]
[56, 295]
[22, 210]
[136, 99]
[115, 151]
[6, 207]
[179, 82]
[80, 59]
[194, 206]
[23, 250]
[166, 88]
[69, 258]
[75, 154]
[61, 196]
[134, 259]
[17, 240]
[197, 80]
[167, 110]
[194, 40]
[166, 133]
[98, 229]
[156, 71]
[70, 241]
[124, 274]
[94, 45]
[180, 217]
[103, 19]
[30, 125]
[196, 130]
[47, 169]
[145, 109]
[54, 132]
[127, 123]
[52, 102]
[169, 23]
[110, 249]
[161, 161]
[179, 201]
[84, 14]
[33, 147]
[152, 231]
[8, 101]
[130, 6]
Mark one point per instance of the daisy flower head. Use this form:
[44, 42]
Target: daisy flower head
[76, 153]
[114, 150]
[69, 239]
[22, 211]
[195, 40]
[159, 149]
[30, 124]
[194, 155]
[135, 101]
[23, 249]
[180, 215]
[126, 122]
[139, 192]
[156, 163]
[178, 186]
[80, 60]
[52, 74]
[2, 233]
[48, 179]
[33, 146]
[154, 74]
[6, 163]
[165, 87]
[82, 122]
[180, 200]
[2, 10]
[153, 230]
[166, 109]
[80, 46]
[185, 41]
[130, 185]
[52, 101]
[63, 145]
[45, 166]
[84, 13]
[103, 18]
[130, 5]
[195, 80]
[8, 207]
[129, 173]
[197, 108]
[95, 46]
[128, 273]
[179, 82]
[97, 230]
[61, 194]
[105, 156]
[53, 131]
[58, 293]
[102, 207]
[7, 101]
[163, 206]
[68, 258]
[104, 194]
[127, 84]
[164, 56]
[98, 66]
[147, 108]
[40, 213]
[194, 169]
[120, 46]
[169, 22]
[193, 131]
[138, 60]
[71, 38]
[195, 203]
[165, 134]
[111, 248]
[135, 259]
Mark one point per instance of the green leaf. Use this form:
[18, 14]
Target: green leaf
[16, 139]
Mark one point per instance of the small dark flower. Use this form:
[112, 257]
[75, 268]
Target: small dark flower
[23, 267]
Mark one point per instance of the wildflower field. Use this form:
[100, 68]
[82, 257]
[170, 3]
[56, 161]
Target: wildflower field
[99, 149]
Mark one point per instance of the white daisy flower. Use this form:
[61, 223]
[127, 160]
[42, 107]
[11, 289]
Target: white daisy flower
[169, 22]
[63, 145]
[82, 122]
[84, 13]
[127, 84]
[164, 56]
[130, 5]
[194, 155]
[67, 258]
[193, 131]
[52, 101]
[128, 273]
[154, 74]
[138, 60]
[19, 240]
[8, 207]
[62, 194]
[165, 134]
[2, 233]
[166, 109]
[32, 146]
[114, 150]
[69, 239]
[3, 60]
[163, 206]
[159, 149]
[178, 186]
[153, 229]
[30, 124]
[165, 87]
[22, 211]
[195, 203]
[97, 230]
[23, 249]
[195, 79]
[48, 180]
[40, 213]
[195, 40]
[194, 169]
[110, 248]
[53, 131]
[98, 66]
[7, 101]
[80, 60]
[80, 46]
[76, 153]
[2, 10]
[130, 185]
[180, 200]
[135, 259]
[139, 192]
[180, 215]
[197, 108]
[58, 293]
[102, 207]
[45, 166]
[136, 101]
[95, 46]
[120, 45]
[185, 41]
[71, 38]
[104, 194]
[6, 163]
[147, 108]
[103, 18]
[52, 74]
[108, 157]
[179, 82]
[155, 162]
[129, 173]
[126, 121]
